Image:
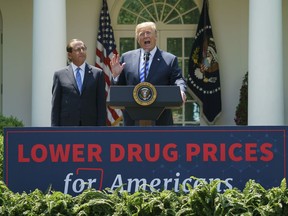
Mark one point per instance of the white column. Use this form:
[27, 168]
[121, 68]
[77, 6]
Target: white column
[49, 54]
[265, 79]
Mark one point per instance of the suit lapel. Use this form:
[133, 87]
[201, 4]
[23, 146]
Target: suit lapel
[154, 64]
[136, 63]
[71, 77]
[87, 73]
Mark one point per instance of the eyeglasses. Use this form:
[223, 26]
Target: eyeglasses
[79, 49]
[143, 33]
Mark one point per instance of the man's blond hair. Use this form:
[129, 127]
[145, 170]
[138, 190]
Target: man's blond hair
[152, 25]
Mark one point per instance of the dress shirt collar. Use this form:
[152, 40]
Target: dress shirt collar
[152, 53]
[81, 71]
[81, 66]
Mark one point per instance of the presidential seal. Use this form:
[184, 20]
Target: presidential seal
[144, 93]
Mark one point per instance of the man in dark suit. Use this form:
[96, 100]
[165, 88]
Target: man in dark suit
[83, 105]
[163, 68]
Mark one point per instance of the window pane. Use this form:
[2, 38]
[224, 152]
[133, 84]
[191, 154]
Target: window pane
[174, 45]
[145, 16]
[192, 113]
[126, 44]
[172, 2]
[125, 17]
[180, 64]
[160, 9]
[177, 115]
[185, 5]
[173, 18]
[152, 12]
[140, 20]
[194, 17]
[188, 42]
[166, 11]
[146, 2]
[189, 97]
[133, 5]
[189, 111]
[186, 68]
[196, 112]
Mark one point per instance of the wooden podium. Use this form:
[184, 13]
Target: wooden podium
[123, 97]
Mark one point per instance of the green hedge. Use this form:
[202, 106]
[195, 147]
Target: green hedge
[1, 157]
[10, 121]
[202, 200]
[5, 121]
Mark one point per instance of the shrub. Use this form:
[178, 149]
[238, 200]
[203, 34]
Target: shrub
[204, 199]
[9, 122]
[241, 114]
[1, 157]
[6, 122]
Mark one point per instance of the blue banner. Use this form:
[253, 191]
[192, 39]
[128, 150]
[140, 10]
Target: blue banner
[71, 159]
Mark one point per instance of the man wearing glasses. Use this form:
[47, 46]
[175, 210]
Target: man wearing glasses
[78, 91]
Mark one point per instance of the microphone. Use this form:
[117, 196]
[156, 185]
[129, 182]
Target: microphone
[146, 56]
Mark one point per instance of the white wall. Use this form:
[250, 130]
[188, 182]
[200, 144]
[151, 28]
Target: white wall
[17, 58]
[229, 20]
[82, 23]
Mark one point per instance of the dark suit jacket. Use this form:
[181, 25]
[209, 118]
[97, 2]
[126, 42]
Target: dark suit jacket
[164, 70]
[69, 108]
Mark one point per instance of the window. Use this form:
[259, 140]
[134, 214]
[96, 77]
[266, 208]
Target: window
[176, 24]
[165, 11]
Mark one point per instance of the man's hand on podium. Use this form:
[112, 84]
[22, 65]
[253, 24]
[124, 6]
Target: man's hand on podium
[183, 96]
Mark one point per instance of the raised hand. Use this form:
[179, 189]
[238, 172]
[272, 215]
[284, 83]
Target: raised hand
[116, 66]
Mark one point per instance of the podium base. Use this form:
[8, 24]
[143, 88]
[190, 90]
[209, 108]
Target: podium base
[145, 122]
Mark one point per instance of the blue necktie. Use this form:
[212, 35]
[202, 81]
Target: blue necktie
[78, 79]
[145, 67]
